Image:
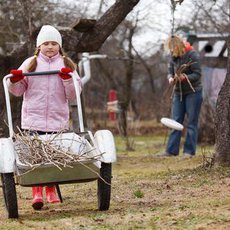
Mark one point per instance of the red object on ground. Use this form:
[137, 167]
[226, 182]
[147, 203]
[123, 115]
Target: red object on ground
[112, 97]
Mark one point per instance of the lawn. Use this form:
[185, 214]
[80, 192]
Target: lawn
[148, 192]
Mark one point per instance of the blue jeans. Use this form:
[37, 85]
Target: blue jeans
[190, 105]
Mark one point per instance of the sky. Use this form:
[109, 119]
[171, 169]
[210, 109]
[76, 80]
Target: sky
[154, 16]
[157, 25]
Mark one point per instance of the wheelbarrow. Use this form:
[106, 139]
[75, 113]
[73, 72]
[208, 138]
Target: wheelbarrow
[95, 164]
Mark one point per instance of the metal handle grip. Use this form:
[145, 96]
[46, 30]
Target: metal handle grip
[41, 73]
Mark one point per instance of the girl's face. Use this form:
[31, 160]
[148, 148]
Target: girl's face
[49, 49]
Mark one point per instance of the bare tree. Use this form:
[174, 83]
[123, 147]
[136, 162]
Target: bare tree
[219, 22]
[222, 121]
[76, 41]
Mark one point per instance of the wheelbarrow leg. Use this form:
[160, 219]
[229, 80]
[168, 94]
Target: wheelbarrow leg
[59, 193]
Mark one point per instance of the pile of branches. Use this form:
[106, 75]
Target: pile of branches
[177, 79]
[179, 72]
[33, 152]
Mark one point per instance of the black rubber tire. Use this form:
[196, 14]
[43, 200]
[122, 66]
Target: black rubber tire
[104, 189]
[9, 193]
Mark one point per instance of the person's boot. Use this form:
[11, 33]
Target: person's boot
[51, 195]
[37, 203]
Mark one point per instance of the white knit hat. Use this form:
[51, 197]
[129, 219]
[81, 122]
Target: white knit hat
[48, 33]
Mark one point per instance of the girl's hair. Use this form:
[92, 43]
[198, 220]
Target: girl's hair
[67, 61]
[33, 64]
[175, 45]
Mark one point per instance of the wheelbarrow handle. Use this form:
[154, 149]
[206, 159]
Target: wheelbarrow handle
[41, 73]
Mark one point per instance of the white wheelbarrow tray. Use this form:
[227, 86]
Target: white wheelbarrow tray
[93, 151]
[101, 145]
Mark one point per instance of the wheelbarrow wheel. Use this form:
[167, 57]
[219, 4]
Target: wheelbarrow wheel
[9, 193]
[104, 186]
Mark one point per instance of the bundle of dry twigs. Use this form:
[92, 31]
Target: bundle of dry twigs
[32, 151]
[177, 78]
[181, 70]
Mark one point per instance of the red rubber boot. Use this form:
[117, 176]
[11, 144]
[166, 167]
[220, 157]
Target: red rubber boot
[51, 195]
[37, 203]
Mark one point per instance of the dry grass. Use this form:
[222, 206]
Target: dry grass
[147, 193]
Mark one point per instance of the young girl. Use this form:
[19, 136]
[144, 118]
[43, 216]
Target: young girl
[45, 98]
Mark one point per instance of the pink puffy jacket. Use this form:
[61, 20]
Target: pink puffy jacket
[45, 98]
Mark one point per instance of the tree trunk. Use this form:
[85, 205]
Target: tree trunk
[222, 124]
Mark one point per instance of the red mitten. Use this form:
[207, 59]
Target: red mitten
[183, 77]
[64, 73]
[17, 75]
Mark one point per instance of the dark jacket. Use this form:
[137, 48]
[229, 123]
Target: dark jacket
[193, 71]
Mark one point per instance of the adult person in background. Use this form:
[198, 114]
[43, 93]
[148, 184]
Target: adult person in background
[184, 73]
